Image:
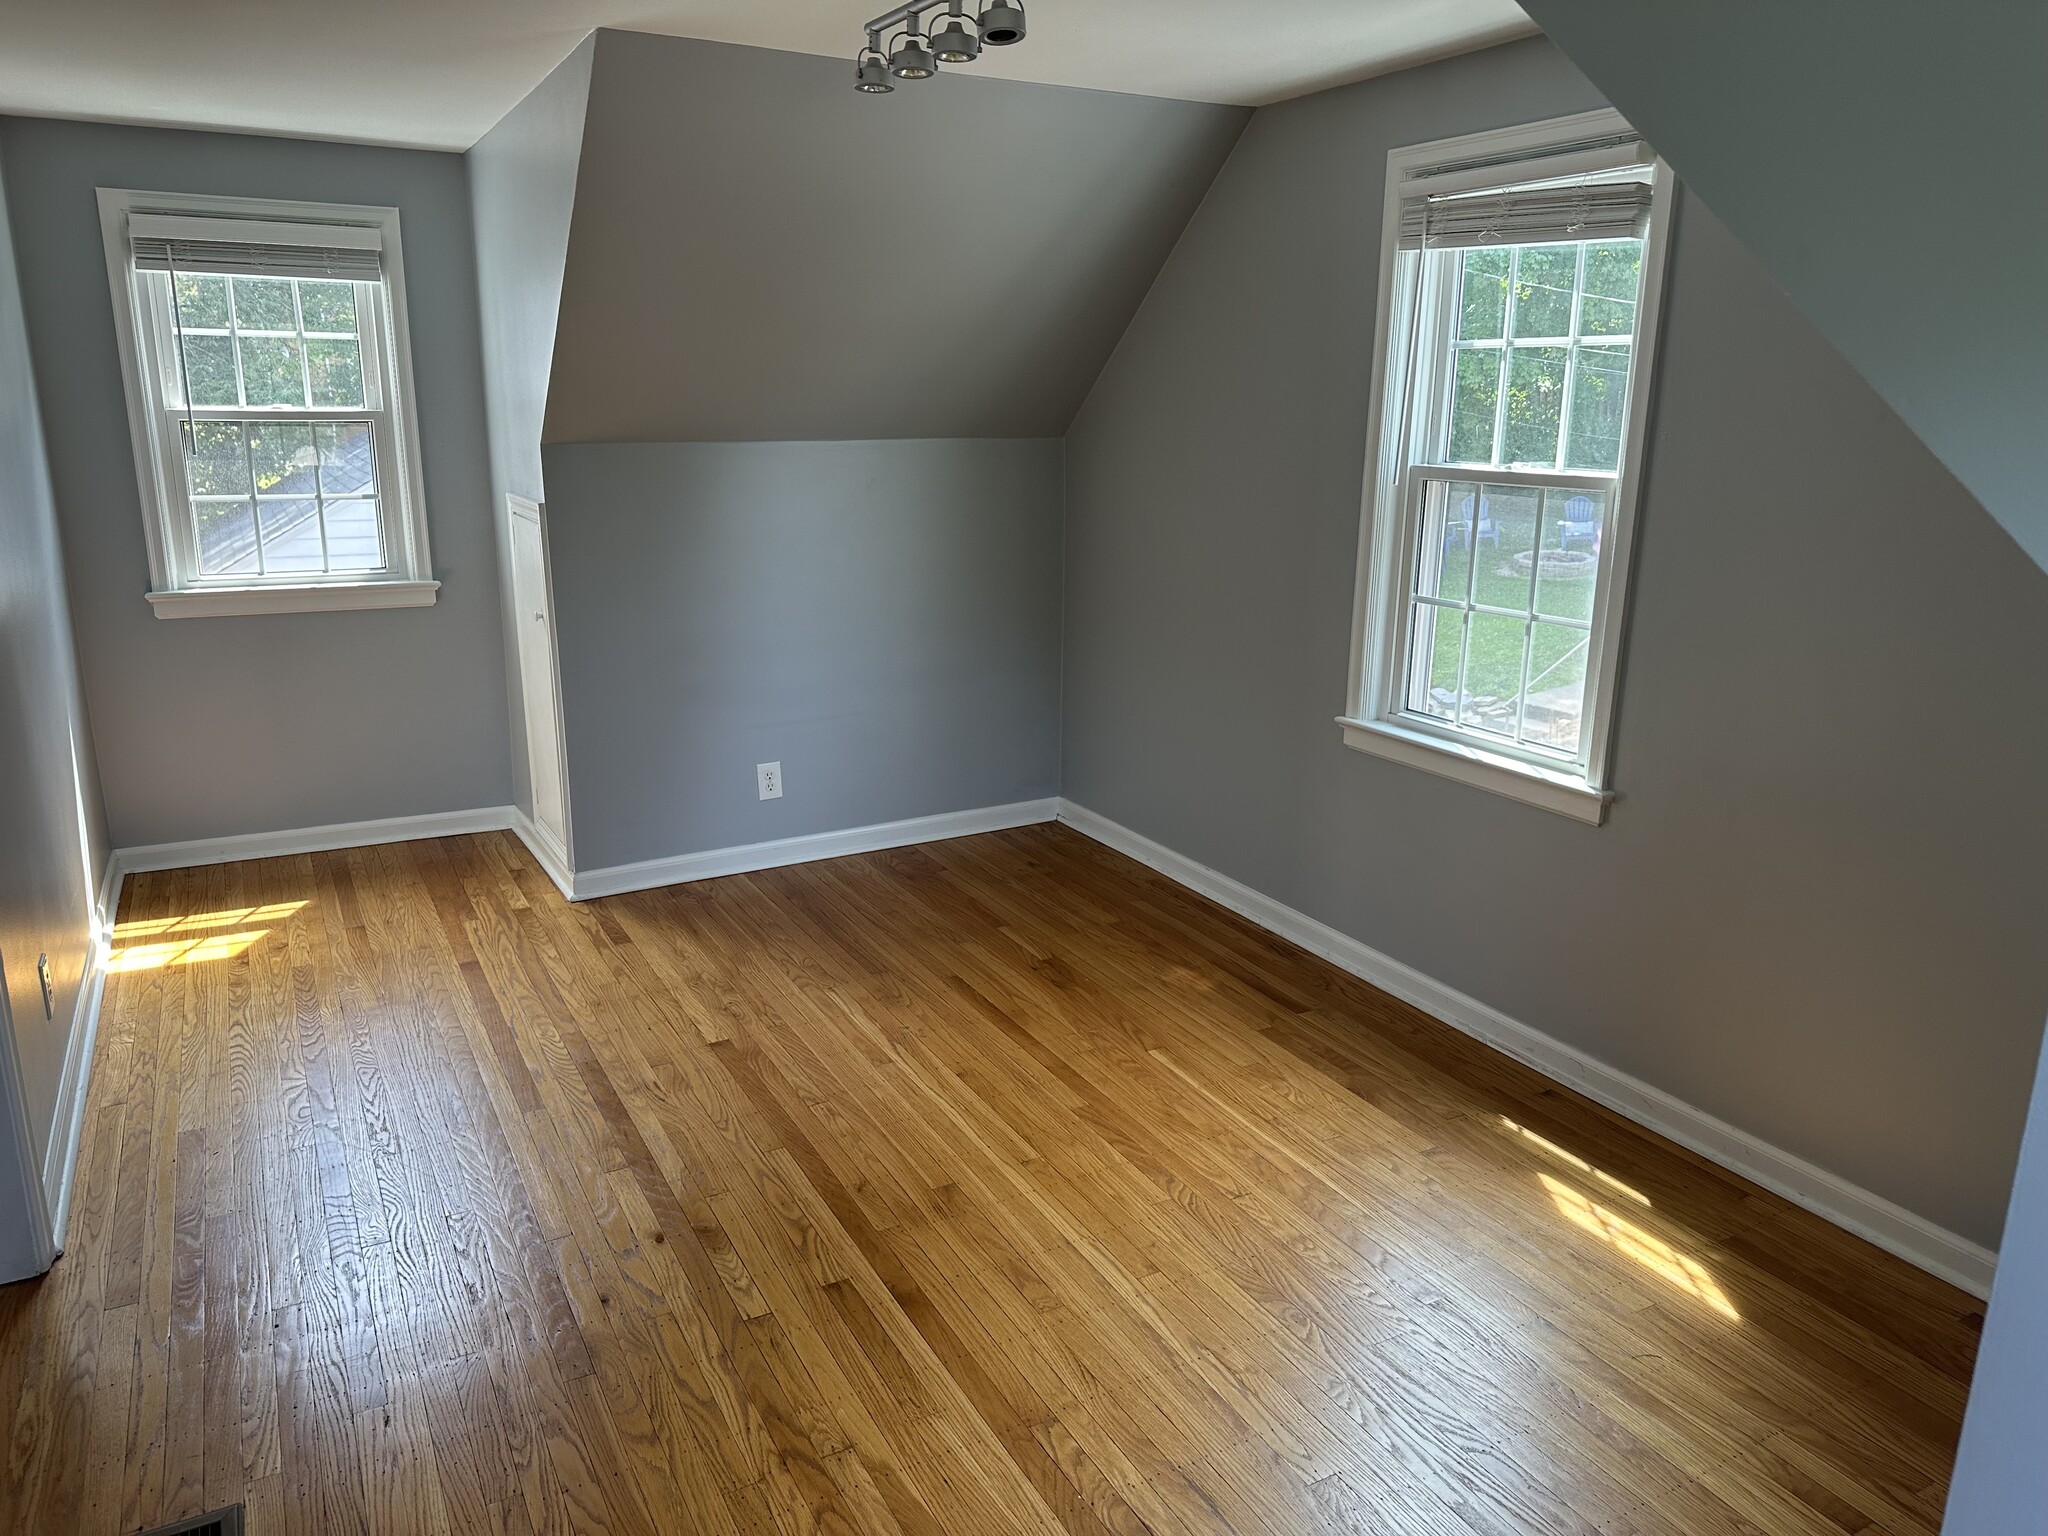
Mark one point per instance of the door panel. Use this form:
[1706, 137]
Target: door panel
[535, 618]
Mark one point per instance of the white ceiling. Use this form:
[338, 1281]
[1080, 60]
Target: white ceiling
[439, 73]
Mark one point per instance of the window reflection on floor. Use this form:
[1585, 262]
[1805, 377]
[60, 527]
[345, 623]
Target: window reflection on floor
[1646, 1248]
[150, 943]
[1576, 1161]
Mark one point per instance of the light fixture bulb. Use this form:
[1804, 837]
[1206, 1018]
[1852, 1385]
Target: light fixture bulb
[1002, 24]
[912, 60]
[954, 44]
[873, 75]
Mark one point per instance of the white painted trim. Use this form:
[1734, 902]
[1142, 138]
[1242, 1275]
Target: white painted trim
[314, 597]
[346, 834]
[1565, 793]
[547, 853]
[1914, 1239]
[60, 1157]
[620, 878]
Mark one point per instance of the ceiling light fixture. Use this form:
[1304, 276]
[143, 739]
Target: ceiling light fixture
[1002, 24]
[959, 40]
[954, 43]
[912, 60]
[872, 75]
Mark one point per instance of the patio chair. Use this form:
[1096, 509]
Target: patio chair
[1458, 530]
[1580, 524]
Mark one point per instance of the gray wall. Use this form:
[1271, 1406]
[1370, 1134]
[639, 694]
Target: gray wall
[881, 618]
[1814, 910]
[1887, 163]
[53, 838]
[522, 189]
[522, 186]
[216, 726]
[761, 252]
[2000, 1485]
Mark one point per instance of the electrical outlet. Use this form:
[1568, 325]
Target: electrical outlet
[49, 990]
[768, 778]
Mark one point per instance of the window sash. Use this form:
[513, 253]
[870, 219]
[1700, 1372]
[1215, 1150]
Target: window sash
[1432, 280]
[1410, 665]
[184, 518]
[160, 365]
[163, 321]
[1447, 270]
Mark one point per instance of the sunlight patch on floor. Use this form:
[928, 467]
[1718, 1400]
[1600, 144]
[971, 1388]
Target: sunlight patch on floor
[193, 951]
[1576, 1161]
[148, 944]
[227, 917]
[1646, 1248]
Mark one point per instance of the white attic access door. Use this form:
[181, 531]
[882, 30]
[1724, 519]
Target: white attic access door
[540, 698]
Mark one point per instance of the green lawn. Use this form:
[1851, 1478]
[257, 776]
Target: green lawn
[1557, 655]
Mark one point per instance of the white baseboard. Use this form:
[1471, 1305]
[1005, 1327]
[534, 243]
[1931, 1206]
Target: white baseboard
[1893, 1228]
[620, 878]
[547, 852]
[343, 834]
[60, 1157]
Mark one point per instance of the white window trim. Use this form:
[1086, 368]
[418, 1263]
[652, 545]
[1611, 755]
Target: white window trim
[1372, 721]
[409, 583]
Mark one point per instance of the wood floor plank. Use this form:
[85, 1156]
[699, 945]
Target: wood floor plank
[997, 1185]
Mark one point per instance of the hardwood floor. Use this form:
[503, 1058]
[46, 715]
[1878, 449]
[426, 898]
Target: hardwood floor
[992, 1186]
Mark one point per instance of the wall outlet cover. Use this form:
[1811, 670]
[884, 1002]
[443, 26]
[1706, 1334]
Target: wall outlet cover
[768, 778]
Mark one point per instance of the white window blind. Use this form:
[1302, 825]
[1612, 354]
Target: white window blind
[1615, 210]
[255, 248]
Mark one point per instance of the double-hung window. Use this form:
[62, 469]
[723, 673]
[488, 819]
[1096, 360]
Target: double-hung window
[270, 403]
[1518, 316]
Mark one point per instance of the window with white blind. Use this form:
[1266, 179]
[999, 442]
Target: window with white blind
[270, 403]
[1518, 318]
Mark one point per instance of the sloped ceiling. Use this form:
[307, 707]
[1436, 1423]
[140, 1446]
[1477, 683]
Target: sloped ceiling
[1888, 164]
[758, 252]
[436, 74]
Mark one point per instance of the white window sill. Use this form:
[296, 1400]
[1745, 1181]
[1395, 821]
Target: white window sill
[1547, 788]
[322, 597]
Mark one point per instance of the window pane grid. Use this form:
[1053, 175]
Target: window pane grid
[1500, 383]
[265, 391]
[1571, 372]
[234, 351]
[1540, 353]
[305, 377]
[1423, 600]
[265, 324]
[1504, 560]
[273, 497]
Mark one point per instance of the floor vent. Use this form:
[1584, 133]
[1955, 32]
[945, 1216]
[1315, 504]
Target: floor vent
[221, 1522]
